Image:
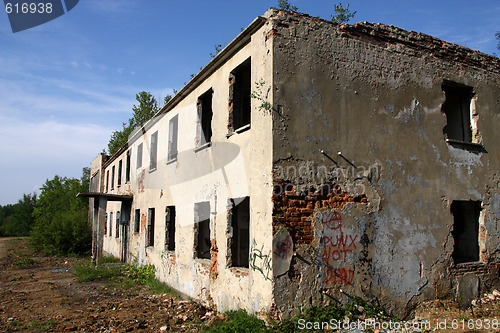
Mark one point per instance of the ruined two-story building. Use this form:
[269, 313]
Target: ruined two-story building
[309, 160]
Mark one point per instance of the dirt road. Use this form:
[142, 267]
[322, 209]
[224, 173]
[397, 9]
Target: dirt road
[45, 297]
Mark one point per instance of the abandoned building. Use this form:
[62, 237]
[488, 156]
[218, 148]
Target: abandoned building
[310, 160]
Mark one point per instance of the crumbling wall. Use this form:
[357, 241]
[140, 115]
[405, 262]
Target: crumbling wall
[364, 179]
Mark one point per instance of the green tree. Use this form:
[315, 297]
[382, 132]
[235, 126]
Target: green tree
[343, 15]
[144, 111]
[167, 99]
[61, 219]
[20, 222]
[285, 5]
[218, 48]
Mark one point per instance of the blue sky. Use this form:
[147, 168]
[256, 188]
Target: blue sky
[67, 84]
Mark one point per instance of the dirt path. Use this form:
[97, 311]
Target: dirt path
[45, 297]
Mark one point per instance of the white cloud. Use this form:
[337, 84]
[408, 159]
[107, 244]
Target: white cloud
[33, 152]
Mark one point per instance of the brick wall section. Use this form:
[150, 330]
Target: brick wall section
[294, 211]
[213, 257]
[479, 268]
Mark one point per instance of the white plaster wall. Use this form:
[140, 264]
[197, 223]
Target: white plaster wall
[196, 177]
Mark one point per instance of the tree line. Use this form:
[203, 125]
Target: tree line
[56, 220]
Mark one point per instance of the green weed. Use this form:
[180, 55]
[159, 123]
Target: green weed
[239, 321]
[87, 271]
[25, 262]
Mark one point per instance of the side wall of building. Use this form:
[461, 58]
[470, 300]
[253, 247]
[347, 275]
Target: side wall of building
[364, 179]
[218, 176]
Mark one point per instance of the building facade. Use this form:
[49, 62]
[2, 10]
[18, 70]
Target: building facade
[309, 161]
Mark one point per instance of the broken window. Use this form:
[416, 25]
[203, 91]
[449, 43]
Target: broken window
[153, 153]
[172, 138]
[137, 220]
[457, 108]
[120, 173]
[107, 181]
[127, 168]
[170, 228]
[112, 177]
[110, 224]
[139, 156]
[204, 125]
[239, 227]
[465, 230]
[239, 96]
[150, 233]
[106, 224]
[202, 230]
[117, 225]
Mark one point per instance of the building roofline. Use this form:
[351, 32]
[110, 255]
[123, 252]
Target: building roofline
[220, 58]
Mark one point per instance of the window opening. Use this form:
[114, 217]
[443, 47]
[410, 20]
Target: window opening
[202, 230]
[465, 230]
[170, 228]
[239, 96]
[239, 240]
[204, 125]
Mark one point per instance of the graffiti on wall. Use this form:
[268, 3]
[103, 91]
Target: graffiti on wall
[282, 252]
[336, 248]
[260, 261]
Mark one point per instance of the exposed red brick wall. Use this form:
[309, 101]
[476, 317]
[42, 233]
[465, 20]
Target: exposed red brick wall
[294, 211]
[213, 255]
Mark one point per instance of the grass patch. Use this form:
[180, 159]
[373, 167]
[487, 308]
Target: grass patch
[239, 321]
[86, 271]
[109, 260]
[42, 325]
[13, 242]
[25, 262]
[124, 277]
[357, 308]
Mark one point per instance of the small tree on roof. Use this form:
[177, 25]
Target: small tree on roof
[343, 15]
[285, 5]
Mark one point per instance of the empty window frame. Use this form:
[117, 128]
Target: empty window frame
[117, 225]
[106, 224]
[153, 153]
[172, 138]
[204, 125]
[110, 224]
[239, 237]
[139, 156]
[150, 233]
[127, 168]
[457, 108]
[112, 177]
[137, 220]
[239, 96]
[107, 181]
[170, 228]
[202, 230]
[465, 230]
[120, 167]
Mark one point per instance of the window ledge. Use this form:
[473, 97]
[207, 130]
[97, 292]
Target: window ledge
[242, 129]
[152, 170]
[206, 145]
[465, 143]
[239, 271]
[172, 160]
